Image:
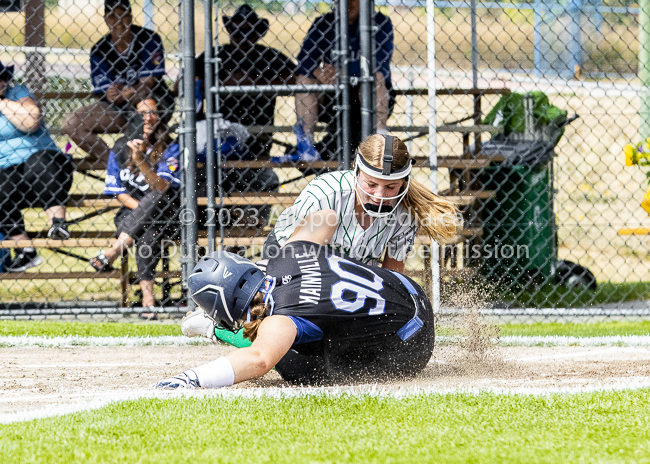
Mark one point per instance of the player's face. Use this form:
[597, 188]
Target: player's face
[119, 22]
[378, 188]
[149, 112]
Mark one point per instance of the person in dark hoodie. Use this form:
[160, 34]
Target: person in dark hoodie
[244, 61]
[126, 65]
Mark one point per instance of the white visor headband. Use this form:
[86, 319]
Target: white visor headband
[386, 172]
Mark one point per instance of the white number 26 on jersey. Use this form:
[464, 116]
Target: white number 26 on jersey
[355, 283]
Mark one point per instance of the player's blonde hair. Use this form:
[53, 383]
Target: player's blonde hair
[436, 217]
[258, 313]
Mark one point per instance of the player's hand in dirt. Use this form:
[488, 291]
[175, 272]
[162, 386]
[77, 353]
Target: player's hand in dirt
[185, 381]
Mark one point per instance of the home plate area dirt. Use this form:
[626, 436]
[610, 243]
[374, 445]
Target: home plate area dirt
[37, 378]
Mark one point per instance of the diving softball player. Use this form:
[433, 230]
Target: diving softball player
[380, 207]
[316, 316]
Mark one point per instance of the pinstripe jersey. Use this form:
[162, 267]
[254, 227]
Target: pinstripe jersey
[336, 190]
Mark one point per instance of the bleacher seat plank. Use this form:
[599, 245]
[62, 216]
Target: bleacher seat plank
[95, 203]
[411, 91]
[268, 164]
[83, 165]
[59, 275]
[458, 128]
[454, 91]
[89, 234]
[448, 162]
[50, 243]
[203, 241]
[257, 199]
[456, 162]
[108, 242]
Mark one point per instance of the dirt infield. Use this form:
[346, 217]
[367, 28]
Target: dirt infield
[38, 378]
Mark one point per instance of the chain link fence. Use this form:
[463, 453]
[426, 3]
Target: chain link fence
[94, 69]
[535, 103]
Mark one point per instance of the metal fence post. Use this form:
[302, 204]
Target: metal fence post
[344, 65]
[35, 37]
[209, 116]
[189, 135]
[474, 45]
[367, 80]
[433, 149]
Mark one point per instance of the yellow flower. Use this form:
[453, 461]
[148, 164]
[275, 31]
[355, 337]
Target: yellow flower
[629, 155]
[633, 154]
[645, 204]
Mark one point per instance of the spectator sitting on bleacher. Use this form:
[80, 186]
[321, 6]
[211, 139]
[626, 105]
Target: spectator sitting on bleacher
[125, 65]
[33, 171]
[145, 177]
[245, 62]
[317, 65]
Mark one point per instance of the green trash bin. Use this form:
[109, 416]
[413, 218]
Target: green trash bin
[519, 236]
[519, 231]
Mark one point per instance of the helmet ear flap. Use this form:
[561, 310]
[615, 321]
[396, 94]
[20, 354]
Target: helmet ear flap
[223, 285]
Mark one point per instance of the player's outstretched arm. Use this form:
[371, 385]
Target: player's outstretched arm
[275, 336]
[318, 227]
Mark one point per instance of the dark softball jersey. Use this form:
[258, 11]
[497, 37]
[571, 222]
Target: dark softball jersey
[337, 299]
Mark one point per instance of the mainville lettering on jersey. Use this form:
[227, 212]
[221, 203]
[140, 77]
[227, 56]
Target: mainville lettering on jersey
[310, 284]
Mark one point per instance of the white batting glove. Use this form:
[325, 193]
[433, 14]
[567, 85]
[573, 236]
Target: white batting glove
[187, 380]
[198, 324]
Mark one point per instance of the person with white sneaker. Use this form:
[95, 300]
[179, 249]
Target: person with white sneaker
[315, 316]
[317, 64]
[379, 208]
[33, 171]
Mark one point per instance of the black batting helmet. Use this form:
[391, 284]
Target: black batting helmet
[223, 284]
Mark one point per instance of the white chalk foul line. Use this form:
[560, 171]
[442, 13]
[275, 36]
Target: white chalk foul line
[96, 400]
[511, 340]
[89, 364]
[561, 340]
[75, 340]
[579, 354]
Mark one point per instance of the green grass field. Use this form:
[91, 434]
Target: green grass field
[113, 329]
[596, 427]
[294, 426]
